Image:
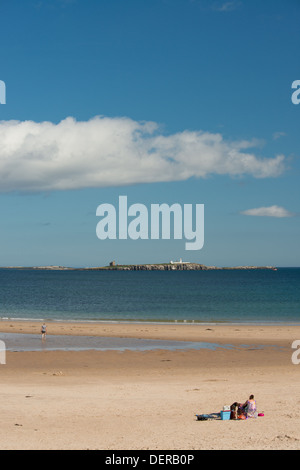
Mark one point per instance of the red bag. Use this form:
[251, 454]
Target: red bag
[242, 416]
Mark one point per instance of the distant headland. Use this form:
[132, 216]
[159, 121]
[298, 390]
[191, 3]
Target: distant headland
[171, 266]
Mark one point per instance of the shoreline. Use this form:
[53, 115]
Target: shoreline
[233, 333]
[152, 322]
[171, 266]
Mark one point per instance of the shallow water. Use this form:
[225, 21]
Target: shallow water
[30, 342]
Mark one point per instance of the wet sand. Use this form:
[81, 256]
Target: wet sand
[115, 400]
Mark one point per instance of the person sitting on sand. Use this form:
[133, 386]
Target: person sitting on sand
[43, 331]
[249, 407]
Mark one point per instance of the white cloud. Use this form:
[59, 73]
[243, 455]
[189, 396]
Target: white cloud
[277, 135]
[227, 6]
[271, 211]
[117, 151]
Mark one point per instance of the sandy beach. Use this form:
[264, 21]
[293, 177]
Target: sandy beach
[135, 400]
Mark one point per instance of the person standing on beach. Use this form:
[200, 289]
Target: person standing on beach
[43, 331]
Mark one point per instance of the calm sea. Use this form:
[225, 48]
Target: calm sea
[152, 296]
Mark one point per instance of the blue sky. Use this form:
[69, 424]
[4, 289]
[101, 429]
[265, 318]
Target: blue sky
[165, 101]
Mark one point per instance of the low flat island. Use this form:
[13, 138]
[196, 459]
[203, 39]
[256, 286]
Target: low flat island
[172, 266]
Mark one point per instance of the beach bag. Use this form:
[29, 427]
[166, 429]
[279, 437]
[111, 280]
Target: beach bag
[242, 416]
[202, 418]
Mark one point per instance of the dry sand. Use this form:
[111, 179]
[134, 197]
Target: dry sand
[148, 400]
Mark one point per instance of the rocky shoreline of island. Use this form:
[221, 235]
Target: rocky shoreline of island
[171, 266]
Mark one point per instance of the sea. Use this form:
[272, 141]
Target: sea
[214, 296]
